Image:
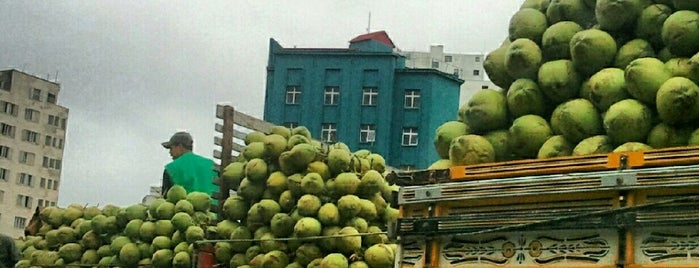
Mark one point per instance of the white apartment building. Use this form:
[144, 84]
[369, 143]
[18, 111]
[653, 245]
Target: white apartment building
[32, 138]
[468, 67]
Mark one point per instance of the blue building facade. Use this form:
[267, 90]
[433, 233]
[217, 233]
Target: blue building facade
[362, 96]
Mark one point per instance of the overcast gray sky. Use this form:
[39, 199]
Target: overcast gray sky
[134, 72]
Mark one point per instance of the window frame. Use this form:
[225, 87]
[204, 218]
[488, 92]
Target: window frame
[293, 95]
[31, 115]
[448, 58]
[411, 99]
[51, 98]
[365, 130]
[333, 94]
[409, 137]
[7, 130]
[26, 157]
[24, 201]
[4, 174]
[35, 94]
[30, 136]
[328, 132]
[291, 125]
[370, 96]
[25, 179]
[5, 152]
[20, 222]
[476, 72]
[9, 108]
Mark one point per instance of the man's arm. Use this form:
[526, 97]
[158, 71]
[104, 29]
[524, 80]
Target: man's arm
[167, 183]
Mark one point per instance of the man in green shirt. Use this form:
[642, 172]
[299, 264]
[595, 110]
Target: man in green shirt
[193, 172]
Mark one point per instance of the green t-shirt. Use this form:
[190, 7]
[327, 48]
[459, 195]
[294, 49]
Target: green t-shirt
[193, 172]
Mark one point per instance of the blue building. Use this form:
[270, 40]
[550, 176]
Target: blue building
[363, 96]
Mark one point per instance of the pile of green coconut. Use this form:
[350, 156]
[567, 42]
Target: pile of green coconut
[581, 77]
[300, 203]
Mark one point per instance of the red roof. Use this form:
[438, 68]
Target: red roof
[380, 36]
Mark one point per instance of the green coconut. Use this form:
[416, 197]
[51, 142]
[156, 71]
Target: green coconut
[607, 87]
[598, 144]
[678, 101]
[494, 66]
[679, 67]
[525, 97]
[540, 5]
[380, 256]
[445, 133]
[559, 81]
[634, 49]
[499, 140]
[618, 15]
[528, 23]
[628, 120]
[333, 260]
[632, 146]
[555, 41]
[523, 59]
[663, 135]
[680, 33]
[576, 120]
[527, 134]
[349, 206]
[555, 146]
[570, 10]
[644, 77]
[471, 149]
[312, 183]
[485, 111]
[649, 25]
[592, 50]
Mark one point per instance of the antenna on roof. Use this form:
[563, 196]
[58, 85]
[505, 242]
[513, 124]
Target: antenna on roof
[368, 27]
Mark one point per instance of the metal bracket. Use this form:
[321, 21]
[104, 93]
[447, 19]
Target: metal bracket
[428, 192]
[618, 180]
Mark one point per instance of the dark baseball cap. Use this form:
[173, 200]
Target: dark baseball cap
[181, 137]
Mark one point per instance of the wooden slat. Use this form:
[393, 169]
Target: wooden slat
[250, 122]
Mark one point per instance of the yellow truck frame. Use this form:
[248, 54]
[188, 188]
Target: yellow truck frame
[633, 210]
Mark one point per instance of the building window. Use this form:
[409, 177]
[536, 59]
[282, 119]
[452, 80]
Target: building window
[49, 185]
[435, 64]
[478, 59]
[55, 185]
[369, 96]
[7, 130]
[24, 201]
[412, 99]
[25, 179]
[20, 222]
[4, 173]
[484, 87]
[2, 196]
[8, 108]
[40, 202]
[456, 72]
[332, 96]
[48, 140]
[328, 132]
[367, 133]
[26, 158]
[30, 136]
[476, 72]
[63, 123]
[447, 58]
[4, 85]
[42, 183]
[36, 94]
[409, 136]
[5, 152]
[51, 163]
[293, 95]
[31, 115]
[291, 124]
[54, 120]
[51, 98]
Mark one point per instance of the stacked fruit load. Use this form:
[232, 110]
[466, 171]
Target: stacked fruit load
[583, 77]
[300, 203]
[161, 234]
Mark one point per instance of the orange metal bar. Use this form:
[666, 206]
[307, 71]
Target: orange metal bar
[435, 247]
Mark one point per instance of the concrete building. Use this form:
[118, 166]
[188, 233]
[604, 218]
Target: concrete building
[363, 96]
[467, 66]
[32, 138]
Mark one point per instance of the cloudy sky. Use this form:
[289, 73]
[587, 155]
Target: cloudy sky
[134, 72]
